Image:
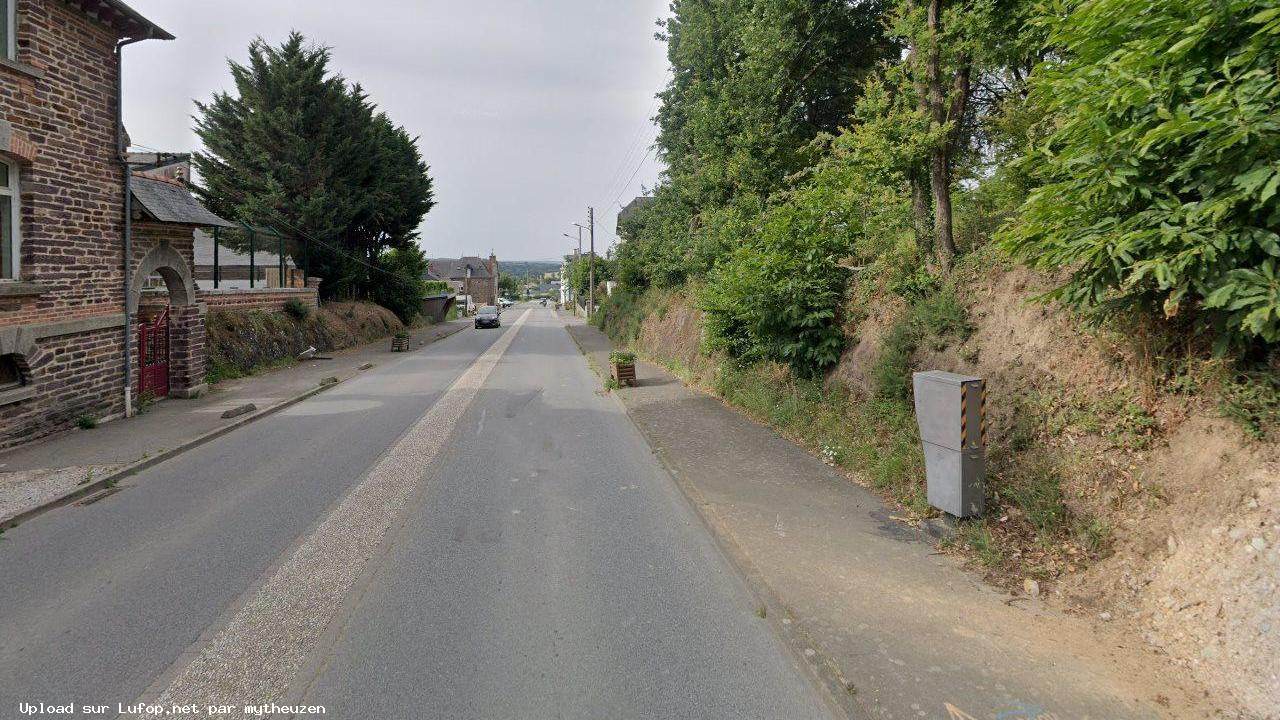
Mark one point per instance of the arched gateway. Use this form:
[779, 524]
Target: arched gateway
[169, 349]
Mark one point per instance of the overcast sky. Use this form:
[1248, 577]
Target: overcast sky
[527, 112]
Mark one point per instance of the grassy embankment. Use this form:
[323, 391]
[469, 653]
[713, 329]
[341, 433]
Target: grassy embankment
[245, 343]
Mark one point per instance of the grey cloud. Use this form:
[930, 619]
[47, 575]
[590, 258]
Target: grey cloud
[524, 109]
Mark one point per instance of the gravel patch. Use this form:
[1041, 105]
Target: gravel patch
[25, 489]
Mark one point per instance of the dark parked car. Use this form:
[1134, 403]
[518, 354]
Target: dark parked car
[488, 317]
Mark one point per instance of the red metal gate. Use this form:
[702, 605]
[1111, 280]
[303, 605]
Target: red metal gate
[153, 356]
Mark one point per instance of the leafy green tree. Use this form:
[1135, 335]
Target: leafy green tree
[780, 294]
[964, 57]
[1159, 181]
[401, 286]
[508, 285]
[753, 83]
[297, 148]
[580, 273]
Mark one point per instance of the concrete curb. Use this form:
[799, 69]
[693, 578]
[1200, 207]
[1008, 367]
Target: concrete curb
[134, 468]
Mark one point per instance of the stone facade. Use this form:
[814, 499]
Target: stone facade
[187, 342]
[469, 275]
[165, 249]
[63, 319]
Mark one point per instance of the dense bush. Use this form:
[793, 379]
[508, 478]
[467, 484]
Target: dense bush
[1161, 177]
[297, 309]
[776, 298]
[621, 314]
[401, 286]
[778, 295]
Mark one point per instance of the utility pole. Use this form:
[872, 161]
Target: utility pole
[591, 263]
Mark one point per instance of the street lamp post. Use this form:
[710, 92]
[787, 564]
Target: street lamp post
[572, 295]
[591, 264]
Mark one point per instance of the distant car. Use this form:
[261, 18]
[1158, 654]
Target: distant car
[505, 302]
[488, 317]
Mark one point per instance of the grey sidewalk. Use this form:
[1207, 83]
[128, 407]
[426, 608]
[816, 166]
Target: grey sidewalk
[892, 625]
[35, 474]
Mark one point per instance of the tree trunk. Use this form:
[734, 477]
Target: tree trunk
[940, 178]
[940, 155]
[920, 210]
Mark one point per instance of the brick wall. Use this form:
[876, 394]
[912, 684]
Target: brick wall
[272, 299]
[60, 111]
[73, 187]
[481, 290]
[74, 375]
[187, 341]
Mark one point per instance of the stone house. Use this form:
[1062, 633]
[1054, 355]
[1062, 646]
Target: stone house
[468, 276]
[633, 207]
[68, 286]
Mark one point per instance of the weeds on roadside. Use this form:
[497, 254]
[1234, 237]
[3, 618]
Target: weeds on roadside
[145, 400]
[1095, 536]
[1252, 400]
[934, 321]
[876, 438]
[978, 537]
[86, 422]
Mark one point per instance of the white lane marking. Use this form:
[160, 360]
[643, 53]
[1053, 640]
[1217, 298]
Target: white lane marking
[255, 656]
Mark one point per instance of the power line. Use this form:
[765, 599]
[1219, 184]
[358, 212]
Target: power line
[805, 45]
[623, 190]
[634, 146]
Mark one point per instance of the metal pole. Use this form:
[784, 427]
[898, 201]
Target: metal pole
[591, 264]
[128, 290]
[280, 249]
[253, 270]
[122, 151]
[576, 258]
[217, 269]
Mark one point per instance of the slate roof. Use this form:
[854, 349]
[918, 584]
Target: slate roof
[227, 257]
[170, 202]
[127, 22]
[456, 268]
[632, 207]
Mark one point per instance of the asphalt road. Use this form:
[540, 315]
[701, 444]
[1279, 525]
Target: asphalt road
[473, 531]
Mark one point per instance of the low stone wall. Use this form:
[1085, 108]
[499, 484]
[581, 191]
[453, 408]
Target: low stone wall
[270, 299]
